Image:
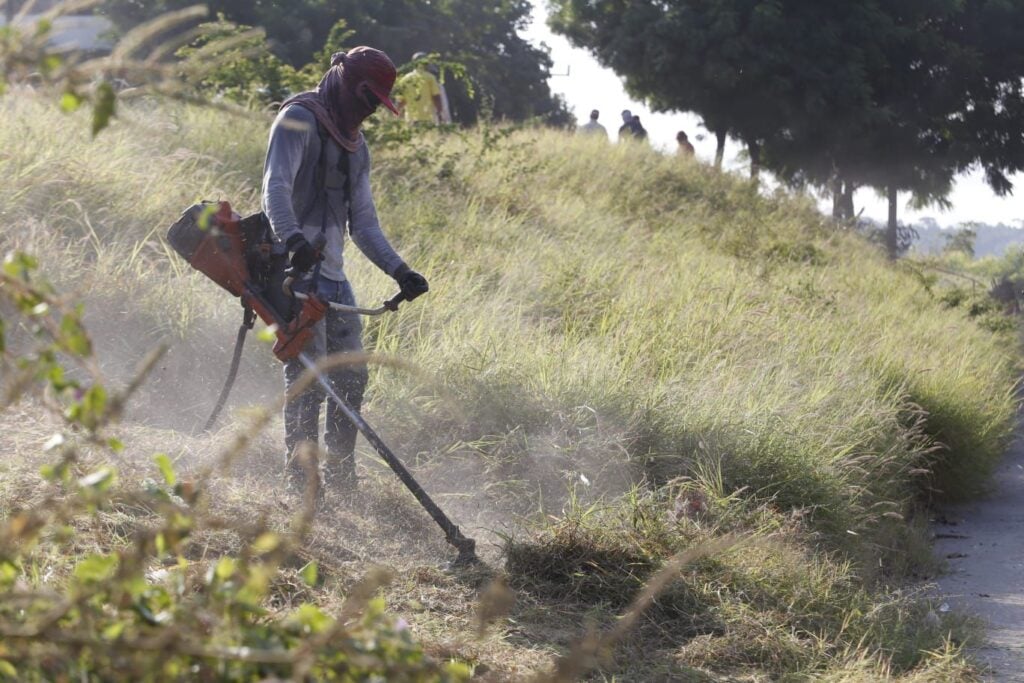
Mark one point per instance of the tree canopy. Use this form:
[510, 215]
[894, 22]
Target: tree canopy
[900, 95]
[508, 74]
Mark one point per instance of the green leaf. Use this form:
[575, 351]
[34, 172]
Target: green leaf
[309, 574]
[70, 101]
[136, 586]
[8, 574]
[256, 586]
[311, 618]
[267, 334]
[104, 108]
[113, 631]
[166, 468]
[459, 670]
[95, 401]
[206, 217]
[50, 64]
[18, 264]
[43, 27]
[89, 411]
[8, 670]
[73, 336]
[115, 445]
[374, 609]
[225, 568]
[59, 472]
[96, 568]
[58, 379]
[265, 543]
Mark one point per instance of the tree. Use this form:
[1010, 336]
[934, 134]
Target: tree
[944, 85]
[509, 75]
[900, 95]
[246, 72]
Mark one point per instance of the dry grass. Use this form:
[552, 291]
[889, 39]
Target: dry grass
[606, 374]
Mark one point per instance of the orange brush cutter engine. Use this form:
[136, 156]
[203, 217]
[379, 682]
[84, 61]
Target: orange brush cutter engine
[235, 253]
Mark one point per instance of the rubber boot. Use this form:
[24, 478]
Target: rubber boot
[301, 425]
[340, 434]
[301, 469]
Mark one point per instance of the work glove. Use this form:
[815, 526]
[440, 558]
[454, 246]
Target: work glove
[412, 283]
[304, 256]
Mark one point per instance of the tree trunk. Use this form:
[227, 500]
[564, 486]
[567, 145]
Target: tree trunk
[720, 149]
[837, 199]
[755, 159]
[847, 201]
[842, 200]
[891, 243]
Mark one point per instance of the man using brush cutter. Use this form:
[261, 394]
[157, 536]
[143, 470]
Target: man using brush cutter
[316, 184]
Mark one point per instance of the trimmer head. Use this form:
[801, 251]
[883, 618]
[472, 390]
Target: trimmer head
[467, 553]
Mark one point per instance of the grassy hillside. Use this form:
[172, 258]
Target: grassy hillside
[623, 357]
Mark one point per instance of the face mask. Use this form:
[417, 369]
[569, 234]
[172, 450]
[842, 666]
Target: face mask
[368, 97]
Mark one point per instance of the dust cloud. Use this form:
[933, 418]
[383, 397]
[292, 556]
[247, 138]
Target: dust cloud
[494, 486]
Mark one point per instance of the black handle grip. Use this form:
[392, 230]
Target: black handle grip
[392, 303]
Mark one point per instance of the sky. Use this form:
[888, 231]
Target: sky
[586, 85]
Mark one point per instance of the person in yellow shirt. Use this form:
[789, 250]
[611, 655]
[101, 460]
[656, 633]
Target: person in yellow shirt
[419, 94]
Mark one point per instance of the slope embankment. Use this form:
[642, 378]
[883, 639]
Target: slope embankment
[623, 358]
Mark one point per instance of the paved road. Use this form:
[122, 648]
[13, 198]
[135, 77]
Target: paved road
[984, 545]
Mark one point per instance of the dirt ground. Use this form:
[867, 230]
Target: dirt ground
[983, 546]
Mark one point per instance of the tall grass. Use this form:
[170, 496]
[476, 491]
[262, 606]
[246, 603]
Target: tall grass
[600, 318]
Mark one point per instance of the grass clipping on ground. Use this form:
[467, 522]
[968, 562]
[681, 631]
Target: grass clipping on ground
[623, 356]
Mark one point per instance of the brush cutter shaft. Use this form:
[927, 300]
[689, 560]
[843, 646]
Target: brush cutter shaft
[389, 305]
[466, 546]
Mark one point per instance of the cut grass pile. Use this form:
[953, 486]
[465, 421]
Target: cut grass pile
[622, 356]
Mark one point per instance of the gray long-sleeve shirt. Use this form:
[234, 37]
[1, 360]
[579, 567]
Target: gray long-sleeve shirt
[291, 194]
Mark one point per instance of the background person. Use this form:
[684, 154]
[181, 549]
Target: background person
[592, 127]
[419, 93]
[685, 149]
[639, 132]
[626, 129]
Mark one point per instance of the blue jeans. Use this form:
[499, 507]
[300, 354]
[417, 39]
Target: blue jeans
[337, 333]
